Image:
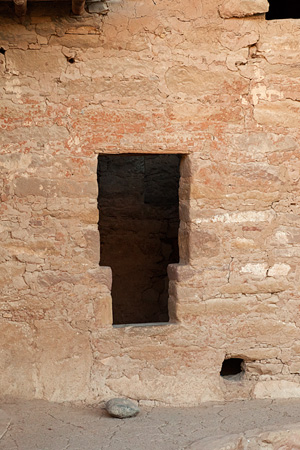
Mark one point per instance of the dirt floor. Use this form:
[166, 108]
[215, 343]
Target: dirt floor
[32, 425]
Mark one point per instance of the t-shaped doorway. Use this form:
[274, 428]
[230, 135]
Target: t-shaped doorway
[139, 221]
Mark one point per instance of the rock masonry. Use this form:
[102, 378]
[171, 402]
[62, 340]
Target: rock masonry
[209, 79]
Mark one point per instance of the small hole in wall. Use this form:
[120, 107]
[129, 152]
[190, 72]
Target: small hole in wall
[232, 368]
[2, 51]
[71, 60]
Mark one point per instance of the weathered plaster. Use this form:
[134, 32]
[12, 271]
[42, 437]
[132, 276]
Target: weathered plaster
[170, 77]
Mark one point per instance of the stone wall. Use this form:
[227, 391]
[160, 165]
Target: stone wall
[212, 80]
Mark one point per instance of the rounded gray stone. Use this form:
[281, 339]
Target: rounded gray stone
[122, 408]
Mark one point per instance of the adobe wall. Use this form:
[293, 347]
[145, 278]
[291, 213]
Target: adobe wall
[178, 76]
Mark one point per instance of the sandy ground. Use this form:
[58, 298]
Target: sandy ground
[31, 425]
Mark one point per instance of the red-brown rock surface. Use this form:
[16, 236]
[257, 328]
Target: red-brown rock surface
[150, 77]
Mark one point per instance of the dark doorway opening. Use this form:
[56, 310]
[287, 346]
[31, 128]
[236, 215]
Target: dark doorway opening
[289, 9]
[138, 224]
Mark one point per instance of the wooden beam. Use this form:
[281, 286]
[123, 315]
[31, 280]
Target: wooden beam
[20, 7]
[78, 7]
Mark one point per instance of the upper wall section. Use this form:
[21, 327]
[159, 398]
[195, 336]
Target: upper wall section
[148, 76]
[109, 83]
